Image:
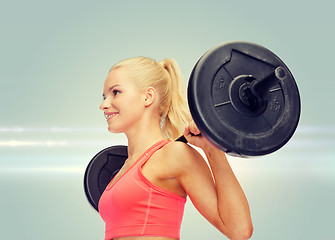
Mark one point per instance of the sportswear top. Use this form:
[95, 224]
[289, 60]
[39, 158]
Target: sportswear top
[133, 206]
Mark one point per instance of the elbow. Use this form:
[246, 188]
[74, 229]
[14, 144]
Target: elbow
[247, 233]
[242, 233]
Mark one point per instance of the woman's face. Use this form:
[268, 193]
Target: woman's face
[123, 101]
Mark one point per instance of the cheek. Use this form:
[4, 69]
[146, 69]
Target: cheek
[133, 102]
[128, 107]
[120, 102]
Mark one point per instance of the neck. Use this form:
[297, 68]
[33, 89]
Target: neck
[143, 136]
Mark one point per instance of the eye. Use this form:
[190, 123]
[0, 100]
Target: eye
[115, 92]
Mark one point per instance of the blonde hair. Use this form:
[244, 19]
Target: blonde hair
[167, 79]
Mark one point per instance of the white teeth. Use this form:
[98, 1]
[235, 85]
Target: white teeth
[110, 116]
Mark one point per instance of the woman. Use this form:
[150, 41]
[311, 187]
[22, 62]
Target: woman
[145, 100]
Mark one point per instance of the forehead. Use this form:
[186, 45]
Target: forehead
[120, 76]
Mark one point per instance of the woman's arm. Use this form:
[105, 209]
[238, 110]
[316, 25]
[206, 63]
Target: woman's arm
[233, 206]
[222, 201]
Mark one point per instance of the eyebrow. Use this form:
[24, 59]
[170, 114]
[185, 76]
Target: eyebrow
[111, 88]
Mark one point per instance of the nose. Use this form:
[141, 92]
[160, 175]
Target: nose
[105, 104]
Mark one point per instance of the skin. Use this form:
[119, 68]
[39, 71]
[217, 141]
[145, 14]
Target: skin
[218, 197]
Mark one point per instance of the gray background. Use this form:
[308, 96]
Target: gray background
[55, 56]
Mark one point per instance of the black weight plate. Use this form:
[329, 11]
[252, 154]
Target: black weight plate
[211, 96]
[100, 171]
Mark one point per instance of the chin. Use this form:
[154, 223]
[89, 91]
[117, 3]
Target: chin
[114, 130]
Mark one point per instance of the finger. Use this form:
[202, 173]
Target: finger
[188, 134]
[193, 128]
[186, 131]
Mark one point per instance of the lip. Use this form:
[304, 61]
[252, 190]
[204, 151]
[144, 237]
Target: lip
[110, 115]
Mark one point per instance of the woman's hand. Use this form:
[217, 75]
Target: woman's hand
[194, 137]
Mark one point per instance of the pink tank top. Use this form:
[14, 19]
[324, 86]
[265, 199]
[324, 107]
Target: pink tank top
[133, 206]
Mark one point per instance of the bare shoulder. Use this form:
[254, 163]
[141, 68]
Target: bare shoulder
[181, 150]
[183, 156]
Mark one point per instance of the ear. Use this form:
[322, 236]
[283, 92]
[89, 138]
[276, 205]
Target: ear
[150, 96]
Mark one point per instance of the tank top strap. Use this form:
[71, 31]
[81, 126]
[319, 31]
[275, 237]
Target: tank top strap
[140, 161]
[150, 151]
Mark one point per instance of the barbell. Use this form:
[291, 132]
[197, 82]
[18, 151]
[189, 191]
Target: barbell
[243, 99]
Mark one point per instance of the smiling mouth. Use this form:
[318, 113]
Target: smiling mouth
[109, 116]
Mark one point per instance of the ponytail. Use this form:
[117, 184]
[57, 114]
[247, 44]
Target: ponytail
[177, 115]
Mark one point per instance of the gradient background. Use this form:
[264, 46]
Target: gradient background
[54, 58]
